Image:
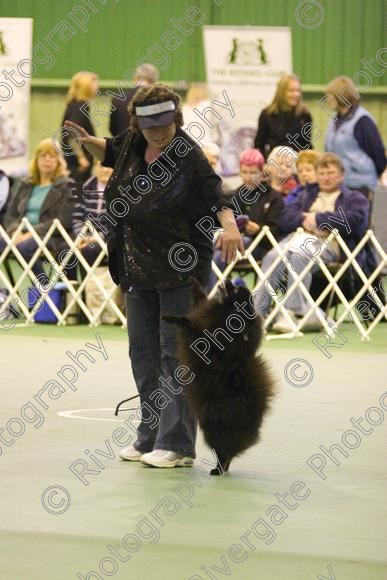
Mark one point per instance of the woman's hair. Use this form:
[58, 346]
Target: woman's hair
[252, 157]
[279, 152]
[279, 103]
[211, 148]
[344, 91]
[330, 159]
[197, 92]
[309, 156]
[81, 86]
[157, 93]
[46, 146]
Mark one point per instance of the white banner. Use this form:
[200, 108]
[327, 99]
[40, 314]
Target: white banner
[15, 73]
[246, 62]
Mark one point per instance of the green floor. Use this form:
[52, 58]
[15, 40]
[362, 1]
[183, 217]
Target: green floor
[339, 529]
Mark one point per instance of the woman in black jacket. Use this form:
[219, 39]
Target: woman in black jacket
[83, 88]
[286, 121]
[161, 200]
[41, 197]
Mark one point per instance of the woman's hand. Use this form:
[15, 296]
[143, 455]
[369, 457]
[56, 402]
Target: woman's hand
[22, 238]
[83, 162]
[309, 223]
[83, 243]
[229, 242]
[82, 134]
[79, 136]
[251, 228]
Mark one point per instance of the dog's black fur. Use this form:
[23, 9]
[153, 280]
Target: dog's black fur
[230, 395]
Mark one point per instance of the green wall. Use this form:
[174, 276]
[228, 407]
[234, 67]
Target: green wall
[47, 108]
[119, 32]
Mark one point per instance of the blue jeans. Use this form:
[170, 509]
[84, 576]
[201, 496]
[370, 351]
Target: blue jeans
[27, 250]
[152, 352]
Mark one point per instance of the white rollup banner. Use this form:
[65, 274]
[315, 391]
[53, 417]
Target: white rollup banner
[15, 74]
[246, 62]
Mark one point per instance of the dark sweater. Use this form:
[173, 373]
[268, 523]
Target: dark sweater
[58, 204]
[119, 115]
[263, 206]
[274, 128]
[76, 112]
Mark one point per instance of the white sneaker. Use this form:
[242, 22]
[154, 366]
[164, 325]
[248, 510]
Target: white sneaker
[282, 324]
[130, 454]
[314, 324]
[162, 458]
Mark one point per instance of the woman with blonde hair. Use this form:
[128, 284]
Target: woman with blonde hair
[83, 88]
[41, 197]
[197, 97]
[354, 137]
[283, 121]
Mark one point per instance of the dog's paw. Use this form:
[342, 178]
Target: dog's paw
[216, 471]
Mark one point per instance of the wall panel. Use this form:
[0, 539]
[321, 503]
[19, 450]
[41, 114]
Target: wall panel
[119, 32]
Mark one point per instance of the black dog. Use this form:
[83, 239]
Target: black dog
[232, 386]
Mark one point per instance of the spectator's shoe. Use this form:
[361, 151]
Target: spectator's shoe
[282, 325]
[162, 458]
[130, 454]
[239, 282]
[314, 324]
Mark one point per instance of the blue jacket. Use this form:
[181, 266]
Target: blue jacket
[360, 169]
[353, 204]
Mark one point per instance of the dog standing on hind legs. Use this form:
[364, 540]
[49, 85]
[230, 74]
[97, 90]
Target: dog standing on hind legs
[232, 386]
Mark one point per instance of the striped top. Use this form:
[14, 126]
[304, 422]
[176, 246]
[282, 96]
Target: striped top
[93, 205]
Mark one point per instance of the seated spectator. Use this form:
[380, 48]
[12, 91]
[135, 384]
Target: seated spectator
[317, 211]
[5, 187]
[41, 197]
[257, 204]
[281, 168]
[353, 135]
[212, 152]
[91, 207]
[306, 173]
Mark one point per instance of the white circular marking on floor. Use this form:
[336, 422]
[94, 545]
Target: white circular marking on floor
[74, 414]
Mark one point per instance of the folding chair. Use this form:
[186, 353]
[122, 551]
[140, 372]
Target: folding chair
[245, 268]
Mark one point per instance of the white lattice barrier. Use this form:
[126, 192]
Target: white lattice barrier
[332, 282]
[58, 272]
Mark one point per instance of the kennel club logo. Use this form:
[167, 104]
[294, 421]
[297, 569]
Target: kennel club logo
[3, 47]
[248, 52]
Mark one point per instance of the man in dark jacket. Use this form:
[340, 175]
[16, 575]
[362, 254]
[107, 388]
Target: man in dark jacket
[144, 75]
[318, 212]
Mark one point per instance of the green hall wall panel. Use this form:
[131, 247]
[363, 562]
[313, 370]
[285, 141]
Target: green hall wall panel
[121, 31]
[47, 108]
